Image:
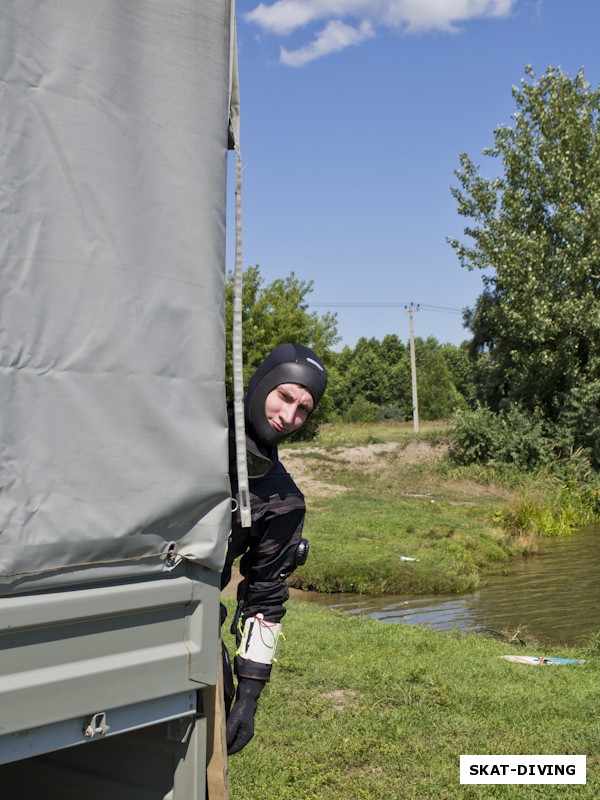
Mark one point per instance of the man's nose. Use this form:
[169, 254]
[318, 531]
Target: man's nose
[287, 413]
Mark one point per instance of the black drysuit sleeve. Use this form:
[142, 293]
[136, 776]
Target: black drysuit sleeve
[270, 557]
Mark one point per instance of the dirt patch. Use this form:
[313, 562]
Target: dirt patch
[412, 452]
[339, 699]
[302, 469]
[377, 459]
[303, 464]
[366, 453]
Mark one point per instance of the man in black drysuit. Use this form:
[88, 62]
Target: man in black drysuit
[282, 394]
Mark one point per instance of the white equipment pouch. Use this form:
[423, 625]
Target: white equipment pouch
[260, 639]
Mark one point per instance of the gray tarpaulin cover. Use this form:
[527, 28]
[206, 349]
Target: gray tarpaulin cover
[113, 438]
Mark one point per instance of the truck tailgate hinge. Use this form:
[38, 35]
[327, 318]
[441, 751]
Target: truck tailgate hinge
[96, 725]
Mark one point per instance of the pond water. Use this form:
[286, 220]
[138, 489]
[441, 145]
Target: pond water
[553, 595]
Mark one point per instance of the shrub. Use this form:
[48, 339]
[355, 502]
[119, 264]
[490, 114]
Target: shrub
[578, 428]
[509, 437]
[475, 436]
[361, 410]
[390, 413]
[523, 441]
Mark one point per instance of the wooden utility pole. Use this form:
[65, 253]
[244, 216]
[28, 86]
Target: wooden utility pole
[413, 368]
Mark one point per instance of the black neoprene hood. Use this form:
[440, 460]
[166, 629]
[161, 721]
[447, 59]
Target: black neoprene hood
[288, 363]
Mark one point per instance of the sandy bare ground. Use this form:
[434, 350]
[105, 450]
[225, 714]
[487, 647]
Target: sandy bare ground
[303, 464]
[378, 458]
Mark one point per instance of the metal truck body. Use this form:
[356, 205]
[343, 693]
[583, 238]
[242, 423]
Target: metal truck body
[114, 493]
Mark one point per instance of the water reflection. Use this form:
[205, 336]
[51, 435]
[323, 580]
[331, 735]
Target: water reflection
[554, 595]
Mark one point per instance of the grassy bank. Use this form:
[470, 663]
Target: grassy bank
[360, 710]
[376, 493]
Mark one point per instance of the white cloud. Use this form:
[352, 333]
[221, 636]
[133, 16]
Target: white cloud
[411, 16]
[335, 36]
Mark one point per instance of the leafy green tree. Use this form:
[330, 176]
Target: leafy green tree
[373, 371]
[379, 374]
[535, 230]
[273, 314]
[438, 396]
[396, 357]
[461, 367]
[393, 350]
[362, 375]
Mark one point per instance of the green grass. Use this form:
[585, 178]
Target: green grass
[349, 434]
[396, 507]
[357, 541]
[461, 523]
[361, 710]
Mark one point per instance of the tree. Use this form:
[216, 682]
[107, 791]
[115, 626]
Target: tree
[376, 377]
[272, 315]
[438, 396]
[363, 375]
[535, 230]
[374, 372]
[461, 364]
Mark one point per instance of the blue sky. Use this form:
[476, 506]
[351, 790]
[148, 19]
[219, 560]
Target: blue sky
[353, 117]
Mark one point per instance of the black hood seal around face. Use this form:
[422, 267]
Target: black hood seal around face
[288, 363]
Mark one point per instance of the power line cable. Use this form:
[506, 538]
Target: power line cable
[425, 306]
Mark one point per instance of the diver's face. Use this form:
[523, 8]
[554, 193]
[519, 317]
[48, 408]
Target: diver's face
[287, 407]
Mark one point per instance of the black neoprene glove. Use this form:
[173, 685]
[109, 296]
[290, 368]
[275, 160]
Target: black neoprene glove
[240, 725]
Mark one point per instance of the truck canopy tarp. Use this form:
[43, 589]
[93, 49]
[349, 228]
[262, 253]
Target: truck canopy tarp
[113, 431]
